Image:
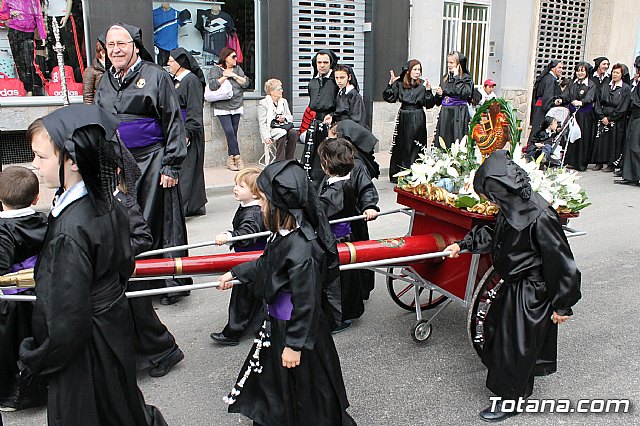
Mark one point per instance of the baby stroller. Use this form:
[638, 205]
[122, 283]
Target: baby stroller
[568, 132]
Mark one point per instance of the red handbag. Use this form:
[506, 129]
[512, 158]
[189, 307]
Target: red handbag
[54, 87]
[11, 87]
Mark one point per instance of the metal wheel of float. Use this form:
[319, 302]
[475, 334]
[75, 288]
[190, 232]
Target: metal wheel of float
[484, 294]
[421, 331]
[402, 293]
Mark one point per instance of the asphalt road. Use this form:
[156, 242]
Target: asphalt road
[391, 380]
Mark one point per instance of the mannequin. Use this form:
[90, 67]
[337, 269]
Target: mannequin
[166, 21]
[213, 25]
[71, 35]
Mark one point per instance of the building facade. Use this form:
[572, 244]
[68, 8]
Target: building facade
[508, 41]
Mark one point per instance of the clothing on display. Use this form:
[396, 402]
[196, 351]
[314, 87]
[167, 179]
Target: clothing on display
[213, 28]
[165, 26]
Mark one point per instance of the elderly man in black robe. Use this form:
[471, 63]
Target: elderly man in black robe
[142, 95]
[531, 254]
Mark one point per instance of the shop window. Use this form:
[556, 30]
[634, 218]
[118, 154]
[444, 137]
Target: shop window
[214, 25]
[28, 59]
[466, 29]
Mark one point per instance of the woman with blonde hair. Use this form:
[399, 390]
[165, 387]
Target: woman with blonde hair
[276, 121]
[454, 95]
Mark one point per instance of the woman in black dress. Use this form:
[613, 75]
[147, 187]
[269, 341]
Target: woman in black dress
[581, 94]
[410, 135]
[546, 93]
[453, 96]
[611, 112]
[189, 82]
[631, 165]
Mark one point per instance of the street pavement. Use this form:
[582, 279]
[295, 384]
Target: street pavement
[391, 380]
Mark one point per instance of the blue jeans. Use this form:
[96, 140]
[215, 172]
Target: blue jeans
[229, 124]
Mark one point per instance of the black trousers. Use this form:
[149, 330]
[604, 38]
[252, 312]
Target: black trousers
[21, 44]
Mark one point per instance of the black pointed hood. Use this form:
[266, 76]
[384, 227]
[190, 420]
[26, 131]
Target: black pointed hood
[506, 184]
[187, 61]
[136, 36]
[333, 58]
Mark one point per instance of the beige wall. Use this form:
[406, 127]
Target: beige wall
[613, 29]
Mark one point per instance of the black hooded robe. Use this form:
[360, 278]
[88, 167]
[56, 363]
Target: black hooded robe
[631, 155]
[578, 153]
[609, 141]
[192, 187]
[530, 252]
[410, 135]
[364, 141]
[312, 393]
[453, 121]
[82, 327]
[20, 239]
[347, 198]
[246, 311]
[350, 105]
[161, 208]
[323, 91]
[546, 92]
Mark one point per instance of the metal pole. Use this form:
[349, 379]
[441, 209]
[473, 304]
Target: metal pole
[256, 235]
[59, 48]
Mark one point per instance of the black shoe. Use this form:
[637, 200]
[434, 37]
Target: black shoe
[597, 167]
[617, 173]
[626, 182]
[171, 299]
[496, 416]
[167, 363]
[609, 169]
[342, 327]
[224, 340]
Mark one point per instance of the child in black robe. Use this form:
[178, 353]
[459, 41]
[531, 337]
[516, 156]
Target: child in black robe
[244, 307]
[349, 102]
[542, 142]
[530, 252]
[292, 375]
[342, 196]
[82, 327]
[22, 232]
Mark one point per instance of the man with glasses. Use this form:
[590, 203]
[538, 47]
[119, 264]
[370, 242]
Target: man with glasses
[141, 94]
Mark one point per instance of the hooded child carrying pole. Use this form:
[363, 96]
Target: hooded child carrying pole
[82, 327]
[530, 252]
[292, 375]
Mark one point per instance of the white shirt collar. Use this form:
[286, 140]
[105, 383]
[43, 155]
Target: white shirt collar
[250, 203]
[182, 75]
[131, 69]
[334, 179]
[596, 75]
[324, 75]
[618, 84]
[347, 89]
[72, 194]
[10, 214]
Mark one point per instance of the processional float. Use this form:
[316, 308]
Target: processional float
[419, 275]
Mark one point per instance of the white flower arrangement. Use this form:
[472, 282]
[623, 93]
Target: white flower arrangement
[454, 170]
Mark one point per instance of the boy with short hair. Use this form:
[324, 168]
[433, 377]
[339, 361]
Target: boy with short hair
[22, 232]
[348, 191]
[82, 327]
[244, 307]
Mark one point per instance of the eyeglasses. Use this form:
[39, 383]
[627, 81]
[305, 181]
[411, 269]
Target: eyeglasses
[234, 56]
[278, 89]
[121, 44]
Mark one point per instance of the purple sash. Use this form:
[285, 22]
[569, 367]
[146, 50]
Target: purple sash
[453, 101]
[259, 245]
[141, 132]
[26, 264]
[184, 114]
[583, 108]
[341, 229]
[282, 306]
